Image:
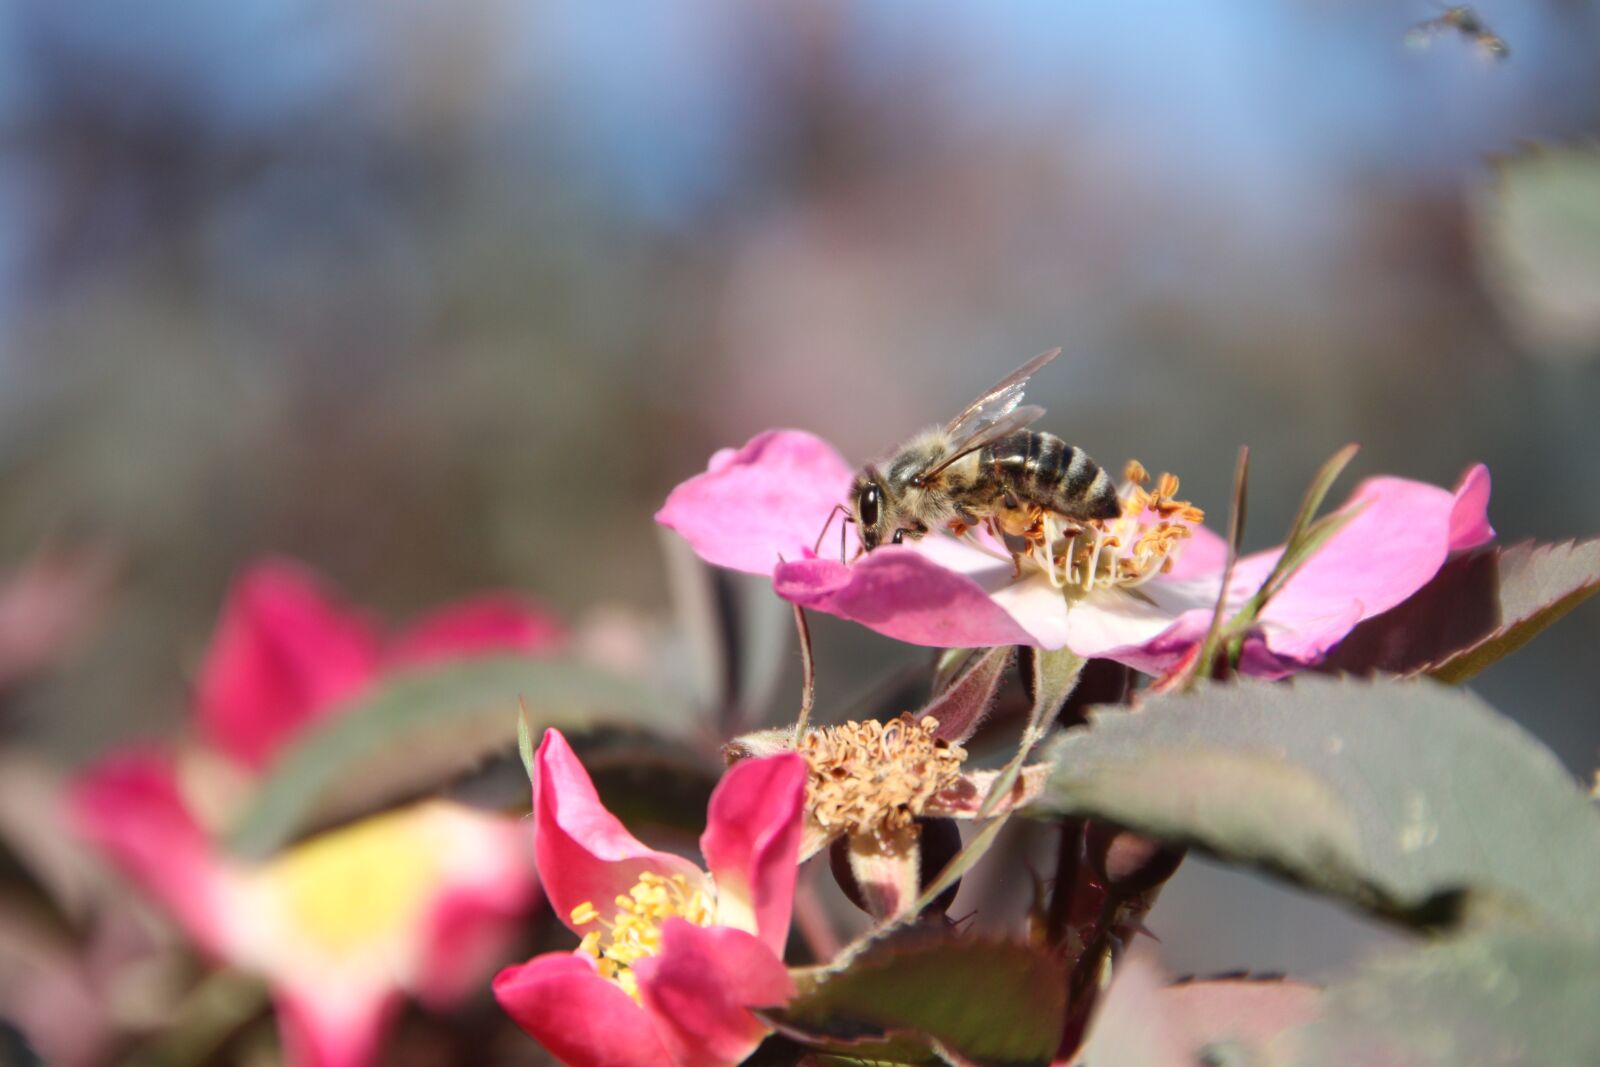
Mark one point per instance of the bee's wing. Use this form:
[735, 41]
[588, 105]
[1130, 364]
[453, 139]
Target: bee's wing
[985, 434]
[1493, 46]
[1423, 34]
[998, 401]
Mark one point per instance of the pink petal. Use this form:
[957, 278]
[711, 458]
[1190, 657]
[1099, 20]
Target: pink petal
[752, 843]
[284, 652]
[768, 499]
[1469, 519]
[904, 595]
[1203, 552]
[699, 988]
[319, 1032]
[1392, 548]
[582, 1019]
[584, 854]
[467, 932]
[493, 622]
[129, 805]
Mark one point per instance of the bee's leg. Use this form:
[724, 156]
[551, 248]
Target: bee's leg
[1017, 545]
[824, 531]
[1034, 534]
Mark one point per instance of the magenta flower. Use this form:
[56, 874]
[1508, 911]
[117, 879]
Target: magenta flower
[422, 899]
[1140, 600]
[286, 652]
[672, 958]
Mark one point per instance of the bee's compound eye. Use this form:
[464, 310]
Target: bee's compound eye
[868, 505]
[899, 535]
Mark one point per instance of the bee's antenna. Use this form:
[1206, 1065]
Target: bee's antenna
[836, 509]
[850, 520]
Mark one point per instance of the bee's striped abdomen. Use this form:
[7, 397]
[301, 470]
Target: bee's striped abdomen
[1043, 470]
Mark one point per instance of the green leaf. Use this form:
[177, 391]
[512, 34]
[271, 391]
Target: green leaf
[1206, 658]
[1055, 675]
[960, 863]
[1507, 998]
[918, 990]
[1409, 799]
[1478, 609]
[407, 736]
[1296, 554]
[1540, 232]
[948, 664]
[524, 740]
[1294, 545]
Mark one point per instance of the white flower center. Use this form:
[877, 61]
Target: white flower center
[1080, 557]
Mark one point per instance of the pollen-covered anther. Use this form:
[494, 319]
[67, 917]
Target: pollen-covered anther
[1128, 550]
[877, 777]
[634, 931]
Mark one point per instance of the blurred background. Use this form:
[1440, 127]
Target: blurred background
[445, 297]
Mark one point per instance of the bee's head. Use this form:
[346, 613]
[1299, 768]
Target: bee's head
[873, 510]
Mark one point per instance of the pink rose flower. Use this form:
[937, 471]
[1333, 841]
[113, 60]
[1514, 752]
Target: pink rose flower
[672, 958]
[760, 508]
[422, 899]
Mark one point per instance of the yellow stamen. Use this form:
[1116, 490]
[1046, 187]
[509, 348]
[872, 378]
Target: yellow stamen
[634, 932]
[1080, 557]
[875, 777]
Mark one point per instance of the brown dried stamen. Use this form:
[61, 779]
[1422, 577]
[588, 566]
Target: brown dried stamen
[877, 777]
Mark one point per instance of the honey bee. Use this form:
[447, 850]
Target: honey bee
[982, 467]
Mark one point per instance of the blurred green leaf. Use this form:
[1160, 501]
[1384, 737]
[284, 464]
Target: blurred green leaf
[219, 1005]
[410, 734]
[1539, 232]
[1409, 799]
[650, 783]
[525, 750]
[1506, 998]
[919, 991]
[1478, 609]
